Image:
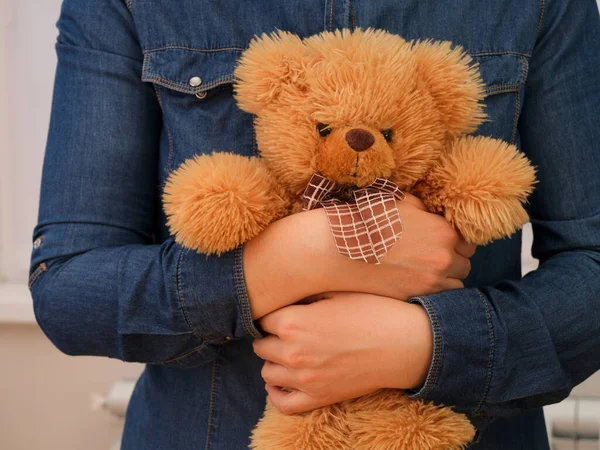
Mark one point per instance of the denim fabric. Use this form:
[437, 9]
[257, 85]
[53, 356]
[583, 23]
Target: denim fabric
[107, 279]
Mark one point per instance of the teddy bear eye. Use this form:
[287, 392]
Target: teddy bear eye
[387, 134]
[323, 129]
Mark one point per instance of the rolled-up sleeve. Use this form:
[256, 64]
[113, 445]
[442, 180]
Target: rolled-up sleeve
[503, 349]
[100, 282]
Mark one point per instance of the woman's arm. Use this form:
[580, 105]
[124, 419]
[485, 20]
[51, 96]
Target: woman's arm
[297, 257]
[100, 283]
[343, 346]
[506, 348]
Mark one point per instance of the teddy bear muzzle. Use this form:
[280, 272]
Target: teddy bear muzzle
[355, 155]
[359, 140]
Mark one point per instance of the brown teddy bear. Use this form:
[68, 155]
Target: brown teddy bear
[353, 107]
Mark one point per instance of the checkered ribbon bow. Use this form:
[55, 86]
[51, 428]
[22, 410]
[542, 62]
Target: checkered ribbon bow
[367, 224]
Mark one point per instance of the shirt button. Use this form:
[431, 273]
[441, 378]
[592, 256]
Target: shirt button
[228, 338]
[195, 81]
[201, 95]
[37, 243]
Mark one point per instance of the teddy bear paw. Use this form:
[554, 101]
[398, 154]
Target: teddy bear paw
[216, 202]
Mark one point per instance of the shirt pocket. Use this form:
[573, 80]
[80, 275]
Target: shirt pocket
[504, 76]
[200, 114]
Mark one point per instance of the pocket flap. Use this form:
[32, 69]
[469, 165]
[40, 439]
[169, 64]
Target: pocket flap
[190, 71]
[502, 73]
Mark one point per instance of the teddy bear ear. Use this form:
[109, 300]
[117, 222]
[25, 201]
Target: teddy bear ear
[454, 82]
[272, 67]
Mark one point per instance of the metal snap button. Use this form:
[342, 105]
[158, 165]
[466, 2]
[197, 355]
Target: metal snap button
[195, 81]
[201, 95]
[228, 338]
[37, 243]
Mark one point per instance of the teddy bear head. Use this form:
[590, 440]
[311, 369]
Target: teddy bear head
[356, 105]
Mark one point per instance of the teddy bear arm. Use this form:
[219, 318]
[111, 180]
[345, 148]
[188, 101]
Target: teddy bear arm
[480, 185]
[215, 203]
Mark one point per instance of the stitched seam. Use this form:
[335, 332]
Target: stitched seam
[93, 222]
[488, 381]
[36, 273]
[212, 404]
[502, 88]
[438, 345]
[353, 20]
[524, 75]
[524, 69]
[331, 16]
[185, 355]
[347, 14]
[242, 293]
[169, 137]
[159, 97]
[145, 64]
[516, 119]
[184, 88]
[502, 52]
[541, 19]
[193, 49]
[254, 143]
[94, 50]
[180, 293]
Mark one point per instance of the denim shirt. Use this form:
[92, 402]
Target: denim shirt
[107, 278]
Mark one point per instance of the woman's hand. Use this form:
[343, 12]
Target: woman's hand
[429, 257]
[342, 347]
[296, 257]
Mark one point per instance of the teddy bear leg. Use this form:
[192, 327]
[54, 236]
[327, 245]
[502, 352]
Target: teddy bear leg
[388, 420]
[321, 429]
[216, 202]
[480, 185]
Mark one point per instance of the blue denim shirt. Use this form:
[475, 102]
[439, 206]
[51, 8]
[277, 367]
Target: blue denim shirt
[108, 279]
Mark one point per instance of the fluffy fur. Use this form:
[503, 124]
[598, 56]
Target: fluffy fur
[203, 187]
[383, 420]
[479, 185]
[429, 94]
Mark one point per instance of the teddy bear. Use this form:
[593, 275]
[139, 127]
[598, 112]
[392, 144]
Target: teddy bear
[354, 107]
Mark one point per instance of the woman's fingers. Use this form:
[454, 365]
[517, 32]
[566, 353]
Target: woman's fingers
[270, 348]
[452, 283]
[465, 249]
[293, 402]
[281, 320]
[460, 267]
[278, 375]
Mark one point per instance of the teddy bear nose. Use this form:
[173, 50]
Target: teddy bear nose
[359, 140]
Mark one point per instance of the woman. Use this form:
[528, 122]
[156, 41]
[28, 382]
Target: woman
[142, 86]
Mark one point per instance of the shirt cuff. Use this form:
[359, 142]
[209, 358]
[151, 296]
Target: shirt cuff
[462, 322]
[213, 296]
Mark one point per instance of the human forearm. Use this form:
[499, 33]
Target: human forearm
[327, 361]
[289, 261]
[144, 303]
[296, 258]
[518, 345]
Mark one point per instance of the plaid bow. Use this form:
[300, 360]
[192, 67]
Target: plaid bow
[365, 226]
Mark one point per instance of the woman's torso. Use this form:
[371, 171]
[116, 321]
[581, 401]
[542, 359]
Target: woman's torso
[215, 406]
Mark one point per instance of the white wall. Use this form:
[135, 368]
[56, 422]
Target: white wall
[46, 396]
[29, 34]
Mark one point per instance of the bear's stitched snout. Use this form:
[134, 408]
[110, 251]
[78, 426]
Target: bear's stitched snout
[359, 140]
